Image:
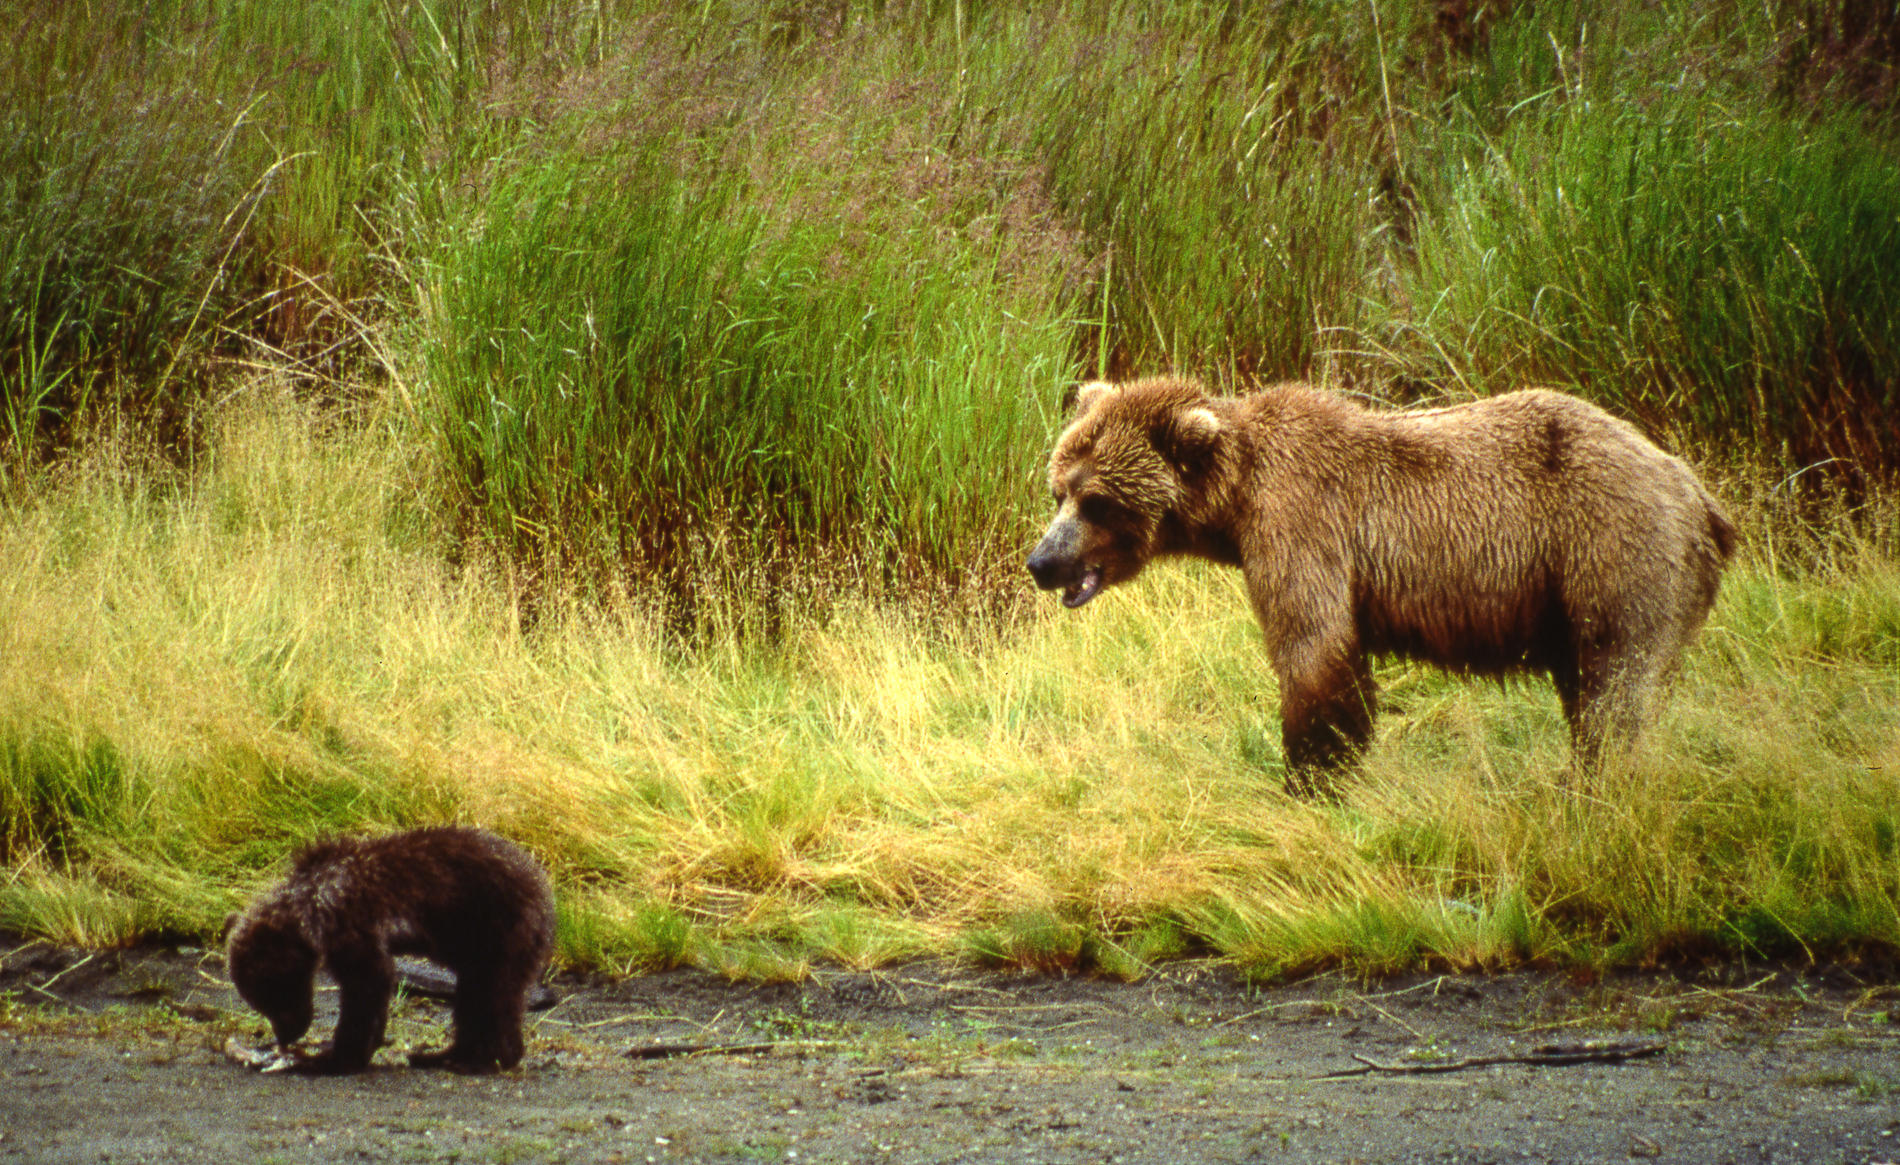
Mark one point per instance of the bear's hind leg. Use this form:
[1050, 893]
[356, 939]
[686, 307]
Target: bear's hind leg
[487, 1017]
[1608, 701]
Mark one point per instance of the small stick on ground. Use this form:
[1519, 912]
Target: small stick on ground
[45, 987]
[667, 1051]
[1547, 1055]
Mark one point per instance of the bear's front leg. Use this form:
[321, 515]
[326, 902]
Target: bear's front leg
[365, 981]
[1327, 696]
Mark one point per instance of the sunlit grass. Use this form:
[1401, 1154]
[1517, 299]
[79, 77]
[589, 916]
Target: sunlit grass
[203, 673]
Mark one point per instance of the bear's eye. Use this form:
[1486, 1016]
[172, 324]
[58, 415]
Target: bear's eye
[1100, 510]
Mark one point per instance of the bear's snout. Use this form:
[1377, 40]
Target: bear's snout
[1057, 562]
[1052, 562]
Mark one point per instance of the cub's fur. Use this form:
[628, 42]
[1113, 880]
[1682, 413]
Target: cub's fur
[464, 898]
[1530, 531]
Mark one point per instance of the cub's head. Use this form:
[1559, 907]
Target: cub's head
[273, 966]
[1133, 459]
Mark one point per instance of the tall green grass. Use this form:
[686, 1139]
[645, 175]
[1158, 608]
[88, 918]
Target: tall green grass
[125, 197]
[191, 182]
[1222, 171]
[626, 366]
[1716, 269]
[960, 204]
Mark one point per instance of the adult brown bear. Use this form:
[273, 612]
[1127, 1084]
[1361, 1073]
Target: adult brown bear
[1530, 531]
[464, 898]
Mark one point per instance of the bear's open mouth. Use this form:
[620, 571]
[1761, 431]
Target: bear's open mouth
[1083, 589]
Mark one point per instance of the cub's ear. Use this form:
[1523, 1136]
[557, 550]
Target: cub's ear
[1087, 394]
[1189, 438]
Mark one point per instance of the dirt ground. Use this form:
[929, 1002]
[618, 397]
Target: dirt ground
[117, 1057]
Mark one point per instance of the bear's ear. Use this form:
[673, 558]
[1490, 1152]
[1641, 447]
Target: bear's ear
[1189, 438]
[1089, 393]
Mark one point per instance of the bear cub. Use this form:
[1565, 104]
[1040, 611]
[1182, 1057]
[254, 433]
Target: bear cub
[464, 898]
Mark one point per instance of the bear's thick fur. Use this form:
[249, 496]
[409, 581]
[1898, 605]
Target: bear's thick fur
[1530, 531]
[464, 898]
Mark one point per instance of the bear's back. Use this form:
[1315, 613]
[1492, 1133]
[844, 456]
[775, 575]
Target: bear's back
[1487, 532]
[443, 892]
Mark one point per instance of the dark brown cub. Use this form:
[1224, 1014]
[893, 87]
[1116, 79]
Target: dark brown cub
[465, 898]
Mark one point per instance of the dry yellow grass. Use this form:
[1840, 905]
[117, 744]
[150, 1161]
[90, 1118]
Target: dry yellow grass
[204, 669]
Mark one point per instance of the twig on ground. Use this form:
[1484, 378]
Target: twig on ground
[63, 971]
[28, 945]
[1022, 1007]
[1546, 1055]
[1416, 1034]
[45, 988]
[636, 1017]
[667, 1051]
[953, 986]
[1432, 985]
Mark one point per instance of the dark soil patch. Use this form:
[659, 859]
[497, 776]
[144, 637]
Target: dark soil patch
[115, 1056]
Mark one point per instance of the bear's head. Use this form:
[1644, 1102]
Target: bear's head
[273, 966]
[1132, 459]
